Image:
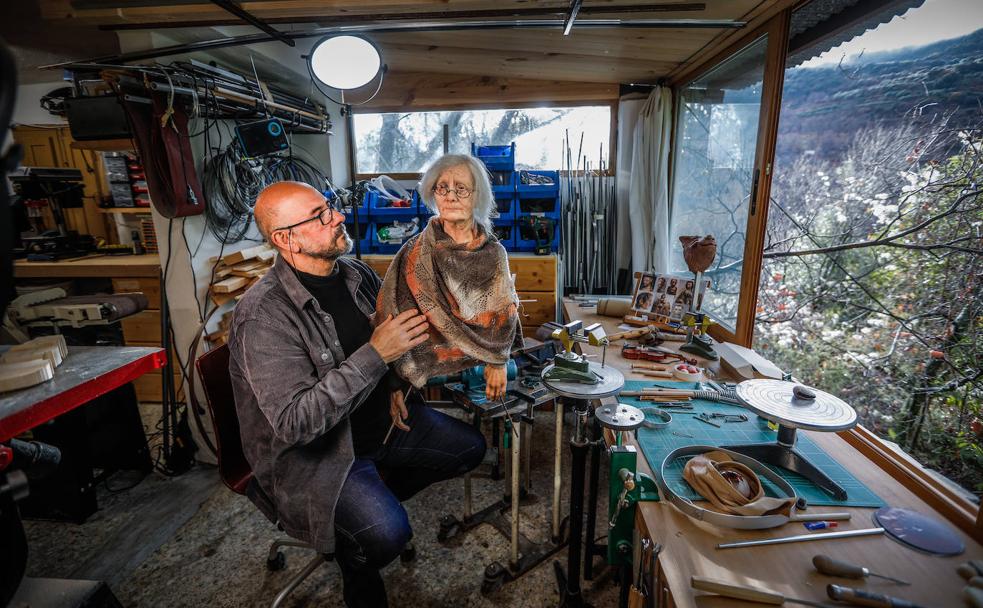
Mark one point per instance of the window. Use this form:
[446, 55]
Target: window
[716, 142]
[408, 142]
[867, 287]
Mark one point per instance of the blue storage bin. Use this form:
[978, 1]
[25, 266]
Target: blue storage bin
[381, 207]
[421, 208]
[503, 183]
[391, 246]
[363, 206]
[364, 232]
[505, 230]
[538, 190]
[505, 208]
[525, 241]
[544, 206]
[496, 158]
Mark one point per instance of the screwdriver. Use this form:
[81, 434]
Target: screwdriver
[834, 567]
[859, 597]
[751, 594]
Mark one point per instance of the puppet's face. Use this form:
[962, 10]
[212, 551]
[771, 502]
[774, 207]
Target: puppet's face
[452, 206]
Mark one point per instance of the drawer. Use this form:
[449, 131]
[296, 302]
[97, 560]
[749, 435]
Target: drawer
[149, 287]
[142, 327]
[533, 314]
[534, 273]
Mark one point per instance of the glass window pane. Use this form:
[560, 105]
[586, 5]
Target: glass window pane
[408, 142]
[716, 137]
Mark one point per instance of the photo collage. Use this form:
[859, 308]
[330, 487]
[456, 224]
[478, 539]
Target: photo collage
[665, 297]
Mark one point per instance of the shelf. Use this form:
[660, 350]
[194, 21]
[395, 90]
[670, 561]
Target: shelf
[128, 210]
[105, 145]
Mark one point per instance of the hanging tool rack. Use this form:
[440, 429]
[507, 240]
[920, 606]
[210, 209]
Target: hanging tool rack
[589, 220]
[218, 94]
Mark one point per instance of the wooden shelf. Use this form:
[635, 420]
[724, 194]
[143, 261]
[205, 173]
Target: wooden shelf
[133, 210]
[105, 145]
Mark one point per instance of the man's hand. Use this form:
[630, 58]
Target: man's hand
[397, 409]
[496, 377]
[395, 336]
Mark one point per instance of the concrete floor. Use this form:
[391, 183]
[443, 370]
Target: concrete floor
[189, 541]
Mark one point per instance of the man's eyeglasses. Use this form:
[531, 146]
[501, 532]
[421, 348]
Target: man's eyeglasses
[325, 215]
[460, 191]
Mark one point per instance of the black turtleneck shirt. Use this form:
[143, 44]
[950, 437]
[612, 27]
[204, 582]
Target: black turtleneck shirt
[369, 421]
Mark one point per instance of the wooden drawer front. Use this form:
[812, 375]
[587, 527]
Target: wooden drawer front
[149, 287]
[147, 387]
[534, 314]
[142, 327]
[378, 263]
[534, 273]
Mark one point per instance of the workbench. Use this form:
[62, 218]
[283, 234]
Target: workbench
[689, 546]
[129, 273]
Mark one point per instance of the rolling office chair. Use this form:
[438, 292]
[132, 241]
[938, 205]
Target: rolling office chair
[213, 369]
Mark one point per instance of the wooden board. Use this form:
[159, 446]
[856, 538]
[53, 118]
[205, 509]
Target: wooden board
[23, 374]
[142, 327]
[230, 284]
[113, 266]
[533, 272]
[245, 254]
[542, 309]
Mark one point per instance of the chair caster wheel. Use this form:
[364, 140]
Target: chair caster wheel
[494, 578]
[408, 554]
[277, 563]
[448, 524]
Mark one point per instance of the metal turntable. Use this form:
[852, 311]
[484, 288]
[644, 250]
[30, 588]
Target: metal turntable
[794, 406]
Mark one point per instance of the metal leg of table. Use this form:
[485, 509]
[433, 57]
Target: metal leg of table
[557, 464]
[591, 548]
[518, 438]
[569, 582]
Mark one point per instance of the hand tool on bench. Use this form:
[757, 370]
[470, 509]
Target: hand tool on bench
[834, 567]
[860, 597]
[745, 592]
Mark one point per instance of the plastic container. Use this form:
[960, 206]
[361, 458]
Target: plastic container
[364, 232]
[392, 244]
[381, 207]
[525, 238]
[505, 230]
[537, 190]
[503, 183]
[496, 158]
[504, 208]
[544, 207]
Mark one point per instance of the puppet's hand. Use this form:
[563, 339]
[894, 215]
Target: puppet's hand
[496, 377]
[397, 409]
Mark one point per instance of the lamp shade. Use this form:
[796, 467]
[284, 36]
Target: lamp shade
[344, 62]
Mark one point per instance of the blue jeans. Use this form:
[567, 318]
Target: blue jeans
[371, 524]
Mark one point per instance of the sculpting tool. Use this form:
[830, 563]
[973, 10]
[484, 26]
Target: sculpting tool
[803, 537]
[744, 592]
[859, 597]
[833, 567]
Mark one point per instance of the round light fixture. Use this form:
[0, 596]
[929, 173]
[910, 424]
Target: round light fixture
[344, 62]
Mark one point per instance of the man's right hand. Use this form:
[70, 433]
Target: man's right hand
[395, 336]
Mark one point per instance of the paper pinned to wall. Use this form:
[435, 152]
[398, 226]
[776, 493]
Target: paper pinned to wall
[744, 362]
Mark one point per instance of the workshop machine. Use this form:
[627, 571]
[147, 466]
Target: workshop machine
[57, 189]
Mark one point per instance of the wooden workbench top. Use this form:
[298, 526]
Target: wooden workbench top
[110, 266]
[690, 545]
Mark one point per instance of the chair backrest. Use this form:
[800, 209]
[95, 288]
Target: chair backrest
[213, 369]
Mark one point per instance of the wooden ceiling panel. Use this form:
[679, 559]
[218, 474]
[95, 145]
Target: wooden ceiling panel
[129, 12]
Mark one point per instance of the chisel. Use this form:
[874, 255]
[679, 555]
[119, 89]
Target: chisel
[751, 594]
[859, 597]
[834, 567]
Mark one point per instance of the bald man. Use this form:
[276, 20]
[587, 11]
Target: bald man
[315, 397]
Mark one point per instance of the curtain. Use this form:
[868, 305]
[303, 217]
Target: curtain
[648, 182]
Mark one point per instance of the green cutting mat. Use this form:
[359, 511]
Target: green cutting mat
[657, 443]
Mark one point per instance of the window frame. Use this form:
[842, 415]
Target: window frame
[612, 152]
[956, 507]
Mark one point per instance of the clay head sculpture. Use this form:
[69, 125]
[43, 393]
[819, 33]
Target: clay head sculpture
[699, 252]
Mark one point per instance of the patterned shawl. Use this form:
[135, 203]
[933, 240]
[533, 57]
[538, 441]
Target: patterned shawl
[467, 295]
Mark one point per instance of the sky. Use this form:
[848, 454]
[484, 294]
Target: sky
[933, 21]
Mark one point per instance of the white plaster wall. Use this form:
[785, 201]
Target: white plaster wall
[27, 107]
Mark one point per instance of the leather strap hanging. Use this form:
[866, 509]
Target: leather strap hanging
[161, 133]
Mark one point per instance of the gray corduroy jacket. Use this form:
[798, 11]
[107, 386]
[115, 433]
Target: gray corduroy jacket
[294, 390]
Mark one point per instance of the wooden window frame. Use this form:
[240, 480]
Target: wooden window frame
[612, 152]
[955, 506]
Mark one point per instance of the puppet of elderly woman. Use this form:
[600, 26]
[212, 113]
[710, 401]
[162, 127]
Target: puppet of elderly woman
[457, 274]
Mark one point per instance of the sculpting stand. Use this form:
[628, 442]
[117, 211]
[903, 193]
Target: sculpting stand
[790, 406]
[697, 343]
[579, 397]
